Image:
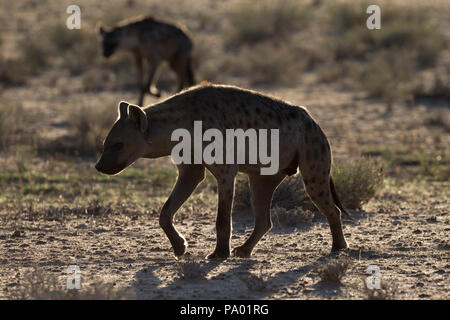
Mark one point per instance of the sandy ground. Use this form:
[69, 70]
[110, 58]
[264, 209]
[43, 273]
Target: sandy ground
[408, 240]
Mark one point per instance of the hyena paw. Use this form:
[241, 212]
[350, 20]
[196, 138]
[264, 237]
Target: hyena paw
[219, 254]
[339, 247]
[180, 249]
[155, 92]
[240, 252]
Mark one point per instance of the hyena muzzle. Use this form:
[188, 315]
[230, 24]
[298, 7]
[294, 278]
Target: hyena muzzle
[147, 133]
[152, 41]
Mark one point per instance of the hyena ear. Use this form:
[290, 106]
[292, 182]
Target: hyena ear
[123, 109]
[138, 115]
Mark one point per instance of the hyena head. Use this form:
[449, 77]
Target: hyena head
[126, 141]
[110, 41]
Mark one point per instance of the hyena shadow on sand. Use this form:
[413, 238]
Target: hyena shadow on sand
[240, 281]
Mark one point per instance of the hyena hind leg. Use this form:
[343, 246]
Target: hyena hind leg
[318, 188]
[181, 66]
[262, 189]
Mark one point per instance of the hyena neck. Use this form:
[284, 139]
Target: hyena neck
[161, 123]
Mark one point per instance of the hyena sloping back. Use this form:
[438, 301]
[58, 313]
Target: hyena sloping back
[153, 41]
[302, 144]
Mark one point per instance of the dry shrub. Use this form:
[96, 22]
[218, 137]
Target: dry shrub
[12, 72]
[295, 217]
[190, 270]
[357, 181]
[269, 63]
[289, 194]
[333, 271]
[76, 50]
[99, 80]
[435, 166]
[411, 30]
[241, 200]
[438, 87]
[439, 117]
[90, 126]
[12, 118]
[39, 285]
[291, 206]
[255, 21]
[260, 36]
[387, 74]
[387, 291]
[383, 60]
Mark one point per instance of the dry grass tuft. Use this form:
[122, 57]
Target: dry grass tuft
[38, 285]
[388, 291]
[255, 21]
[293, 217]
[289, 194]
[382, 61]
[357, 181]
[333, 271]
[12, 122]
[89, 126]
[191, 270]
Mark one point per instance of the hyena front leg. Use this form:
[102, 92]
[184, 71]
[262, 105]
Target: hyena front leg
[150, 85]
[189, 176]
[261, 188]
[140, 78]
[225, 176]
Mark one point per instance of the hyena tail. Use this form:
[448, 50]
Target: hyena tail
[336, 199]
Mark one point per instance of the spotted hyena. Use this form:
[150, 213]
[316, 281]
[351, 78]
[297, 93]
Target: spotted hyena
[153, 41]
[146, 133]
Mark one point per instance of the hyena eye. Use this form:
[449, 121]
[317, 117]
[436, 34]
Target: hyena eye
[117, 146]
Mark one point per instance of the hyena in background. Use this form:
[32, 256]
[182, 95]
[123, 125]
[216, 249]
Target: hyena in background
[146, 133]
[153, 41]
